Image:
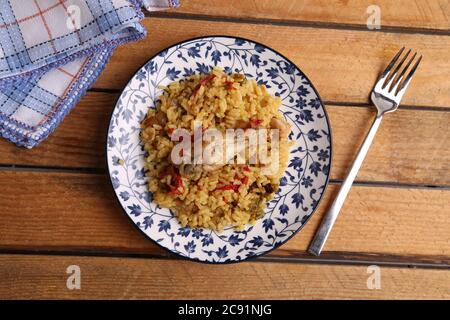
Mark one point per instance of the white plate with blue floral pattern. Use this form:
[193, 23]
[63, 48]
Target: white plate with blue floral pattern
[301, 187]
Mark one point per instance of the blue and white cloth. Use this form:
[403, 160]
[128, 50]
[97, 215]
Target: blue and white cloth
[52, 51]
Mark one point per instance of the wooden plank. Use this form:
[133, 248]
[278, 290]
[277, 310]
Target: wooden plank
[403, 13]
[409, 148]
[405, 150]
[69, 211]
[45, 277]
[343, 64]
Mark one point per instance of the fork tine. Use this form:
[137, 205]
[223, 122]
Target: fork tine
[391, 64]
[399, 78]
[407, 80]
[393, 78]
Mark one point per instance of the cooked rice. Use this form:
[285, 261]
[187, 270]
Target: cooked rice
[200, 198]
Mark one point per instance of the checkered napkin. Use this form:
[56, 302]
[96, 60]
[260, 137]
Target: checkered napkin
[51, 51]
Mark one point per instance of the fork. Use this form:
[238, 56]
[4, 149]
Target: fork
[386, 96]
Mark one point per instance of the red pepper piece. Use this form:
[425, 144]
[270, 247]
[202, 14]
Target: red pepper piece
[174, 191]
[243, 180]
[203, 82]
[229, 85]
[233, 187]
[255, 122]
[177, 183]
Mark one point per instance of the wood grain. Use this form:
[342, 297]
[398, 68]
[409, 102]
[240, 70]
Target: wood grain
[403, 13]
[71, 211]
[48, 209]
[406, 149]
[44, 277]
[342, 64]
[409, 148]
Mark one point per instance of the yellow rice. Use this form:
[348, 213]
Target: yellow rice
[221, 101]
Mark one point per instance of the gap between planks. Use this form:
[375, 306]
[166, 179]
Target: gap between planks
[297, 23]
[104, 171]
[326, 258]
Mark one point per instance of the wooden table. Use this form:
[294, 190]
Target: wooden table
[57, 207]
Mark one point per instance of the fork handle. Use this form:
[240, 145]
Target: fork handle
[330, 217]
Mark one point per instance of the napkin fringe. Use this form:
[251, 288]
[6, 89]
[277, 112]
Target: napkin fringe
[10, 129]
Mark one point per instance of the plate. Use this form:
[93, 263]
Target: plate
[301, 187]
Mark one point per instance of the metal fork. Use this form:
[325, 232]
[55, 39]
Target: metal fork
[386, 96]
